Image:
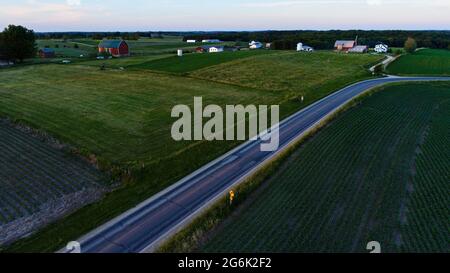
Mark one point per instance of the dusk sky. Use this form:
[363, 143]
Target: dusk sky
[132, 15]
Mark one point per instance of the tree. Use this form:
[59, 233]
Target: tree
[17, 43]
[410, 45]
[2, 50]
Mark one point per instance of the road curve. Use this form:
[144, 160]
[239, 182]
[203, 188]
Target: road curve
[144, 227]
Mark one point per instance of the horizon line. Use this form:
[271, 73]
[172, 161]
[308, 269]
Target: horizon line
[215, 31]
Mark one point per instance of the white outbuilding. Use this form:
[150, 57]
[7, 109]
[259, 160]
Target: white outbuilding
[255, 45]
[381, 48]
[216, 49]
[191, 41]
[302, 47]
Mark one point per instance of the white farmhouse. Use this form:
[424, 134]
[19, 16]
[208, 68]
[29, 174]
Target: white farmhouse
[381, 48]
[215, 49]
[255, 45]
[301, 47]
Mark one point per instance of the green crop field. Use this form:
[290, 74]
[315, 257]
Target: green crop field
[195, 61]
[379, 172]
[35, 176]
[121, 119]
[423, 62]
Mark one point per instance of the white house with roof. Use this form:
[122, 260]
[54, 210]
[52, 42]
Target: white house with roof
[255, 45]
[381, 48]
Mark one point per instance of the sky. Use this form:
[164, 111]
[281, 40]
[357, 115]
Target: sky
[209, 15]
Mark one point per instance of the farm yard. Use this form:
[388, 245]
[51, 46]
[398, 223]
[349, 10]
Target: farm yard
[121, 118]
[40, 183]
[380, 172]
[423, 62]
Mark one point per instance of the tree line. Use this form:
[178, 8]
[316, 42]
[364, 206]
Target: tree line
[287, 40]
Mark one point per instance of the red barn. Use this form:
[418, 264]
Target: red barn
[343, 45]
[46, 53]
[117, 48]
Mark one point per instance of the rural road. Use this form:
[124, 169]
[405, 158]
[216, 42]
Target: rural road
[145, 227]
[389, 59]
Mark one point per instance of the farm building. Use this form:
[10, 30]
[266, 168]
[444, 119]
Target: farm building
[117, 48]
[381, 48]
[191, 41]
[46, 53]
[215, 49]
[359, 49]
[209, 49]
[302, 47]
[344, 45]
[255, 45]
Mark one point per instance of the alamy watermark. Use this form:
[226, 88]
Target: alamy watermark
[228, 125]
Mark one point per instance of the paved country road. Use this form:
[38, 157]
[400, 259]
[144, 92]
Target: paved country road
[145, 227]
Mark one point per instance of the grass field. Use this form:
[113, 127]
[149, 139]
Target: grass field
[379, 172]
[122, 119]
[296, 74]
[192, 62]
[125, 62]
[37, 178]
[422, 62]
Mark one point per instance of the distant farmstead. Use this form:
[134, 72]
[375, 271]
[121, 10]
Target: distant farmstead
[348, 46]
[46, 53]
[117, 48]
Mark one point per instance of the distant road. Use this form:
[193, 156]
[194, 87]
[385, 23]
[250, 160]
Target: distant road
[145, 227]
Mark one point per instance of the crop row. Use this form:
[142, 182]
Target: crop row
[33, 173]
[348, 186]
